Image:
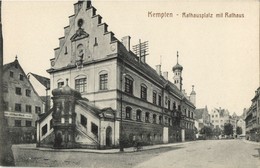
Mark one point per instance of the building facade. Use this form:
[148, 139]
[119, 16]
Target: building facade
[22, 104]
[202, 117]
[142, 102]
[219, 117]
[242, 124]
[253, 118]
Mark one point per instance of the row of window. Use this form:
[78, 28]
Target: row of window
[155, 120]
[21, 77]
[18, 91]
[143, 95]
[84, 121]
[81, 84]
[18, 123]
[216, 121]
[18, 108]
[215, 116]
[148, 137]
[188, 125]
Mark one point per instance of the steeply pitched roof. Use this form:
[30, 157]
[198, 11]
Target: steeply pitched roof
[43, 80]
[130, 58]
[222, 112]
[198, 113]
[16, 63]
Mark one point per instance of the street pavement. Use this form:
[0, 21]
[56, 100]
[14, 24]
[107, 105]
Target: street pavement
[210, 153]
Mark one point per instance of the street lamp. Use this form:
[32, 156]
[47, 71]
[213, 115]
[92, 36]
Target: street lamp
[121, 111]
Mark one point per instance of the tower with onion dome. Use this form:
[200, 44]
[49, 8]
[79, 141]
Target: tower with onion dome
[177, 71]
[64, 116]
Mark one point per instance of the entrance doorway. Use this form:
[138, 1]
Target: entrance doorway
[109, 136]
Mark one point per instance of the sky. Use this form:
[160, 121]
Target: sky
[220, 56]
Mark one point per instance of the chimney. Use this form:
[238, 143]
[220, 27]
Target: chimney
[165, 75]
[142, 59]
[126, 42]
[88, 4]
[158, 69]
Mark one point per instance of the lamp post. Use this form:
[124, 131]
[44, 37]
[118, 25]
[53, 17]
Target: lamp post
[121, 110]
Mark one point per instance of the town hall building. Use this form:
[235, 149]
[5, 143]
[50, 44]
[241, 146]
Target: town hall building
[101, 90]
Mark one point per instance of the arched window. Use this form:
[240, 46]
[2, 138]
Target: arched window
[174, 105]
[160, 100]
[147, 115]
[128, 112]
[160, 119]
[154, 118]
[129, 84]
[138, 115]
[143, 92]
[154, 137]
[103, 80]
[166, 121]
[154, 97]
[169, 104]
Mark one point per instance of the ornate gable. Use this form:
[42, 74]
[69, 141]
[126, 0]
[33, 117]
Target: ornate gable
[85, 39]
[80, 34]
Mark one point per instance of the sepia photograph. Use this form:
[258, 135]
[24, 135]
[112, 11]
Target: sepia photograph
[132, 84]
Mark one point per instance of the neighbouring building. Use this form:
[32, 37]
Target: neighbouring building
[22, 104]
[102, 91]
[233, 120]
[202, 117]
[253, 118]
[242, 124]
[219, 117]
[42, 87]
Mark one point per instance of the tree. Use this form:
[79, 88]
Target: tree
[228, 129]
[239, 130]
[206, 131]
[217, 131]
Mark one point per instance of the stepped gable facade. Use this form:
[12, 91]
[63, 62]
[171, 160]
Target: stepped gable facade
[116, 87]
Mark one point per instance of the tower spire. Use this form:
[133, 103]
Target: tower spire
[177, 57]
